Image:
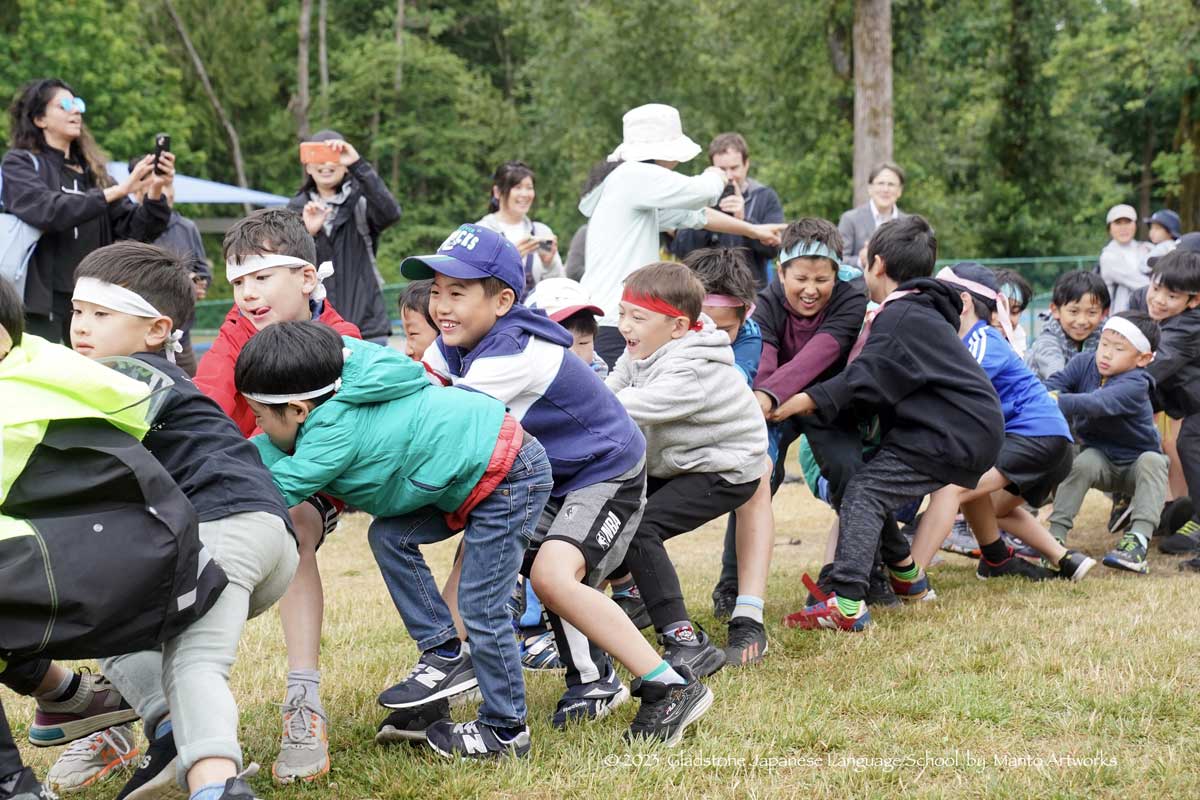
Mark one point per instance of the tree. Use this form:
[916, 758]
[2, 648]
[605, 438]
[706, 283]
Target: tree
[872, 90]
[302, 67]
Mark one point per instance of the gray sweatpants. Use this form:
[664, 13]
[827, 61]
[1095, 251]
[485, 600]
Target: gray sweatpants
[190, 676]
[1145, 480]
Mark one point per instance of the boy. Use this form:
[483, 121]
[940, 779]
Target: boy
[941, 419]
[366, 425]
[1107, 397]
[1078, 306]
[1020, 294]
[419, 328]
[566, 302]
[706, 449]
[127, 297]
[270, 260]
[494, 345]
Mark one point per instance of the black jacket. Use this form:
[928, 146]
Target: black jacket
[354, 290]
[1176, 365]
[762, 206]
[75, 219]
[937, 408]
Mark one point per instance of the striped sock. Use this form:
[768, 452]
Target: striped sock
[749, 606]
[849, 608]
[908, 573]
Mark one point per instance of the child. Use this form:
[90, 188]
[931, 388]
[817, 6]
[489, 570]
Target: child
[419, 327]
[942, 421]
[270, 260]
[1078, 306]
[568, 304]
[1035, 457]
[127, 297]
[1020, 295]
[1107, 397]
[1122, 259]
[1163, 229]
[496, 346]
[368, 426]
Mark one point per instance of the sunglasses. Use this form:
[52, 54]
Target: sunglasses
[70, 104]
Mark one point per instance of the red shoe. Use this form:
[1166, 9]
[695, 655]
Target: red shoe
[826, 614]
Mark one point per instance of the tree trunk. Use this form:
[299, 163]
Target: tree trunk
[872, 90]
[396, 84]
[323, 59]
[300, 107]
[1187, 133]
[1146, 184]
[235, 147]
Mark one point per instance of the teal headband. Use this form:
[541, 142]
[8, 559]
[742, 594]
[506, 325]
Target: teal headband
[809, 249]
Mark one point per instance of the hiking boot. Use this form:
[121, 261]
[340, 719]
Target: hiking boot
[1074, 566]
[747, 642]
[474, 740]
[724, 598]
[433, 678]
[539, 652]
[304, 745]
[1009, 567]
[1129, 554]
[95, 706]
[1181, 542]
[410, 724]
[92, 759]
[155, 778]
[634, 607]
[588, 701]
[691, 647]
[667, 710]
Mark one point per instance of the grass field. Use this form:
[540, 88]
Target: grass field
[997, 690]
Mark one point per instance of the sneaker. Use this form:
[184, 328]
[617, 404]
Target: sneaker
[28, 788]
[1119, 518]
[1175, 515]
[1074, 566]
[474, 740]
[410, 724]
[433, 678]
[667, 710]
[237, 788]
[304, 745]
[589, 701]
[1129, 554]
[634, 607]
[692, 649]
[880, 593]
[1191, 565]
[1010, 566]
[961, 540]
[540, 652]
[911, 591]
[95, 706]
[1019, 547]
[155, 778]
[822, 585]
[747, 642]
[724, 598]
[1184, 540]
[826, 614]
[93, 759]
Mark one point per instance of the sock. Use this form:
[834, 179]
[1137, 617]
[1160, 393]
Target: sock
[849, 608]
[908, 573]
[623, 588]
[664, 673]
[1142, 538]
[682, 632]
[450, 649]
[163, 728]
[749, 606]
[305, 682]
[63, 690]
[8, 783]
[507, 734]
[209, 791]
[996, 552]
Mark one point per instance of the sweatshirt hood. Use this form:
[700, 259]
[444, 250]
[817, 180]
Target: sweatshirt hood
[375, 374]
[939, 296]
[588, 203]
[524, 320]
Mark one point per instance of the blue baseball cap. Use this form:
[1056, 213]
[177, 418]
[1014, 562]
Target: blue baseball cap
[471, 252]
[1168, 219]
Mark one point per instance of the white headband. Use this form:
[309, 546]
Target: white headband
[280, 399]
[1129, 331]
[120, 299]
[240, 267]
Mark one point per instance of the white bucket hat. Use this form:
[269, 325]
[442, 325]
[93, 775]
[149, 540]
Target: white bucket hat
[654, 132]
[1121, 211]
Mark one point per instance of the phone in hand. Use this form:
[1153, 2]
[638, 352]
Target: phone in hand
[546, 244]
[162, 144]
[318, 153]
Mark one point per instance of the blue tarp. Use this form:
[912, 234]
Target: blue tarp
[198, 190]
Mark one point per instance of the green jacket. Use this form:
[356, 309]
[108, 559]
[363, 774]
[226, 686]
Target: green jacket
[389, 441]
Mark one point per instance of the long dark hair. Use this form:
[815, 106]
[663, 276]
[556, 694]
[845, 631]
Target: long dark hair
[507, 176]
[35, 96]
[308, 184]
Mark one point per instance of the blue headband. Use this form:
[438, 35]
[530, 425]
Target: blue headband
[809, 249]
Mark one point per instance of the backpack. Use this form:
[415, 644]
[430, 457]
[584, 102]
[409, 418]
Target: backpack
[18, 239]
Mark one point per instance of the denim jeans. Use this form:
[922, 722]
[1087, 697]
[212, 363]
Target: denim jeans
[498, 531]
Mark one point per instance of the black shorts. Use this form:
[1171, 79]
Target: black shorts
[1034, 465]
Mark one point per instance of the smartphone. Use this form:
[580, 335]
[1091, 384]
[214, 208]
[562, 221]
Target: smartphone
[546, 244]
[318, 153]
[162, 144]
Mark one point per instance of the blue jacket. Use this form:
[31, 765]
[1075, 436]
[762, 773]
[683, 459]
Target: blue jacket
[1112, 415]
[525, 362]
[1028, 408]
[747, 349]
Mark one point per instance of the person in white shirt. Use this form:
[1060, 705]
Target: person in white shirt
[1122, 261]
[512, 198]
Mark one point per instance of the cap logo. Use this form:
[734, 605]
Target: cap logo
[463, 238]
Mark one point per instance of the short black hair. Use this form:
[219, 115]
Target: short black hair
[159, 275]
[12, 312]
[1074, 285]
[907, 246]
[977, 273]
[1146, 324]
[813, 229]
[582, 322]
[270, 230]
[416, 298]
[725, 270]
[1178, 271]
[1014, 286]
[289, 358]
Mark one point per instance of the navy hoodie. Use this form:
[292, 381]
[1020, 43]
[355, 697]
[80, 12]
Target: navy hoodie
[525, 362]
[1114, 415]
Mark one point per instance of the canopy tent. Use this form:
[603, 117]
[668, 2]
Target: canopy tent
[198, 190]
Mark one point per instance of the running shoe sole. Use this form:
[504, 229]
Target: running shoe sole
[616, 699]
[1141, 568]
[447, 693]
[67, 732]
[1083, 569]
[696, 713]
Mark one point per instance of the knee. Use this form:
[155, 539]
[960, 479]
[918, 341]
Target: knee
[1152, 464]
[1088, 465]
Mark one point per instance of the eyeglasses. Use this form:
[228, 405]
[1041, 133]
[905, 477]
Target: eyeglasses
[886, 184]
[70, 104]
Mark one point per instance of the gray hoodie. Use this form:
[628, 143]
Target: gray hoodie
[694, 407]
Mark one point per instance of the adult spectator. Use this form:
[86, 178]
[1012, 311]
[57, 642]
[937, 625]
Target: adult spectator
[885, 184]
[509, 204]
[56, 179]
[1123, 260]
[576, 261]
[743, 198]
[346, 206]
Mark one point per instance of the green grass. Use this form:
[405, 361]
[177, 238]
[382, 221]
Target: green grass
[997, 690]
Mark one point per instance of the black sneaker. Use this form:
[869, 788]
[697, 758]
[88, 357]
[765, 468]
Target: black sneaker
[747, 642]
[588, 701]
[237, 788]
[692, 649]
[1175, 515]
[155, 775]
[1191, 565]
[433, 678]
[1010, 566]
[474, 740]
[880, 593]
[410, 724]
[1074, 566]
[634, 607]
[724, 598]
[29, 788]
[667, 711]
[1183, 541]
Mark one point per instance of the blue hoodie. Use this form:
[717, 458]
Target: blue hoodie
[525, 362]
[1113, 415]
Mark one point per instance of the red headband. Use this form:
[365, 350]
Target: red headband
[658, 305]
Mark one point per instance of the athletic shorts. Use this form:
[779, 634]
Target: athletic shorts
[1034, 465]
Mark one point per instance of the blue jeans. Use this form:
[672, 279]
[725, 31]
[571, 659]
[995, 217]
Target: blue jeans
[498, 531]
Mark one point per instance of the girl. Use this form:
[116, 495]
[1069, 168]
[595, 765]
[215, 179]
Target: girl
[511, 199]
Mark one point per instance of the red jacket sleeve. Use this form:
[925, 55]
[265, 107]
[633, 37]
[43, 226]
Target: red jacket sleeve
[214, 375]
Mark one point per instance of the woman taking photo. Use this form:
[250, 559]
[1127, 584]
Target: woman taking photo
[55, 180]
[512, 197]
